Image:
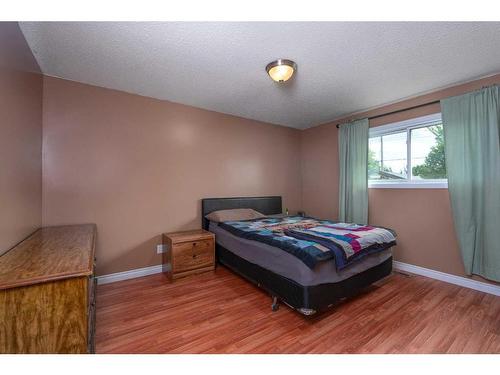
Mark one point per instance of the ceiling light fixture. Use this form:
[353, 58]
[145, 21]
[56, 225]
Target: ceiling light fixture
[281, 70]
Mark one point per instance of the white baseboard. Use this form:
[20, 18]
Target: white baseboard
[131, 274]
[400, 266]
[446, 277]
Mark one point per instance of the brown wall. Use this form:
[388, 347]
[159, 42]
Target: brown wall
[20, 138]
[138, 167]
[421, 217]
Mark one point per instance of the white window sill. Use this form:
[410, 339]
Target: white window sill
[409, 185]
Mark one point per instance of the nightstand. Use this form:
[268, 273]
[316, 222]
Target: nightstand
[189, 252]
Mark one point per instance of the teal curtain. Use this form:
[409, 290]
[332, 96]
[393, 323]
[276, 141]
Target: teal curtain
[471, 125]
[353, 182]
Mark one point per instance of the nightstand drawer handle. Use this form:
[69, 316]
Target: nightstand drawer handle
[194, 243]
[194, 256]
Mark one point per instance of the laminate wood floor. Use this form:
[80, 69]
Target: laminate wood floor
[219, 312]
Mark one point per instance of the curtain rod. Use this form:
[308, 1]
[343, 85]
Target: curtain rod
[399, 110]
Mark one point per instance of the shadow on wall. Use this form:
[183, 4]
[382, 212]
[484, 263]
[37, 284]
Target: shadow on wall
[134, 258]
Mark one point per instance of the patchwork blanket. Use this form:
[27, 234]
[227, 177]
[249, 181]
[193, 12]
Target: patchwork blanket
[313, 240]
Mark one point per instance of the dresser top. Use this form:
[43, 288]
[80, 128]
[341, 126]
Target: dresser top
[189, 235]
[50, 253]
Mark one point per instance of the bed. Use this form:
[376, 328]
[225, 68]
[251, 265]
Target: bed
[282, 275]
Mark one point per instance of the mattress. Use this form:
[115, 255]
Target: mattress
[289, 266]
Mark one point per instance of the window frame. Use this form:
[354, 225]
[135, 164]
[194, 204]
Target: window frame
[408, 126]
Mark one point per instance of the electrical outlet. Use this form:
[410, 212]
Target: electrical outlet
[161, 249]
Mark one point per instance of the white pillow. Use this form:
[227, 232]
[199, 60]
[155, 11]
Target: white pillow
[236, 214]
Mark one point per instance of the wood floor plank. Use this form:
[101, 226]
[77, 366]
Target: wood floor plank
[219, 312]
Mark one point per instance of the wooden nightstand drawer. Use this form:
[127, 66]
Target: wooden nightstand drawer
[190, 255]
[189, 247]
[190, 252]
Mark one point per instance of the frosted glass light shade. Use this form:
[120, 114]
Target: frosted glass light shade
[281, 70]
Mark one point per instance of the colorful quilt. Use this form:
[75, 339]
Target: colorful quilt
[313, 240]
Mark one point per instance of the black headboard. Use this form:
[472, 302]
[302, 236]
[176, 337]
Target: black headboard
[265, 205]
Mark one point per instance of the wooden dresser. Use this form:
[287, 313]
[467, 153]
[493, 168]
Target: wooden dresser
[47, 292]
[189, 252]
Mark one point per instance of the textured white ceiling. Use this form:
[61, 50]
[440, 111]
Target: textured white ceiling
[342, 67]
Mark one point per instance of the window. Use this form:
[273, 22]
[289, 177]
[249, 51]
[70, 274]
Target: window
[407, 154]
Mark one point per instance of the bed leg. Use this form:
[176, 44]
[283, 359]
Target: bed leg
[306, 312]
[276, 305]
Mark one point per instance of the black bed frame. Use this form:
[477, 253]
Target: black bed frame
[305, 299]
